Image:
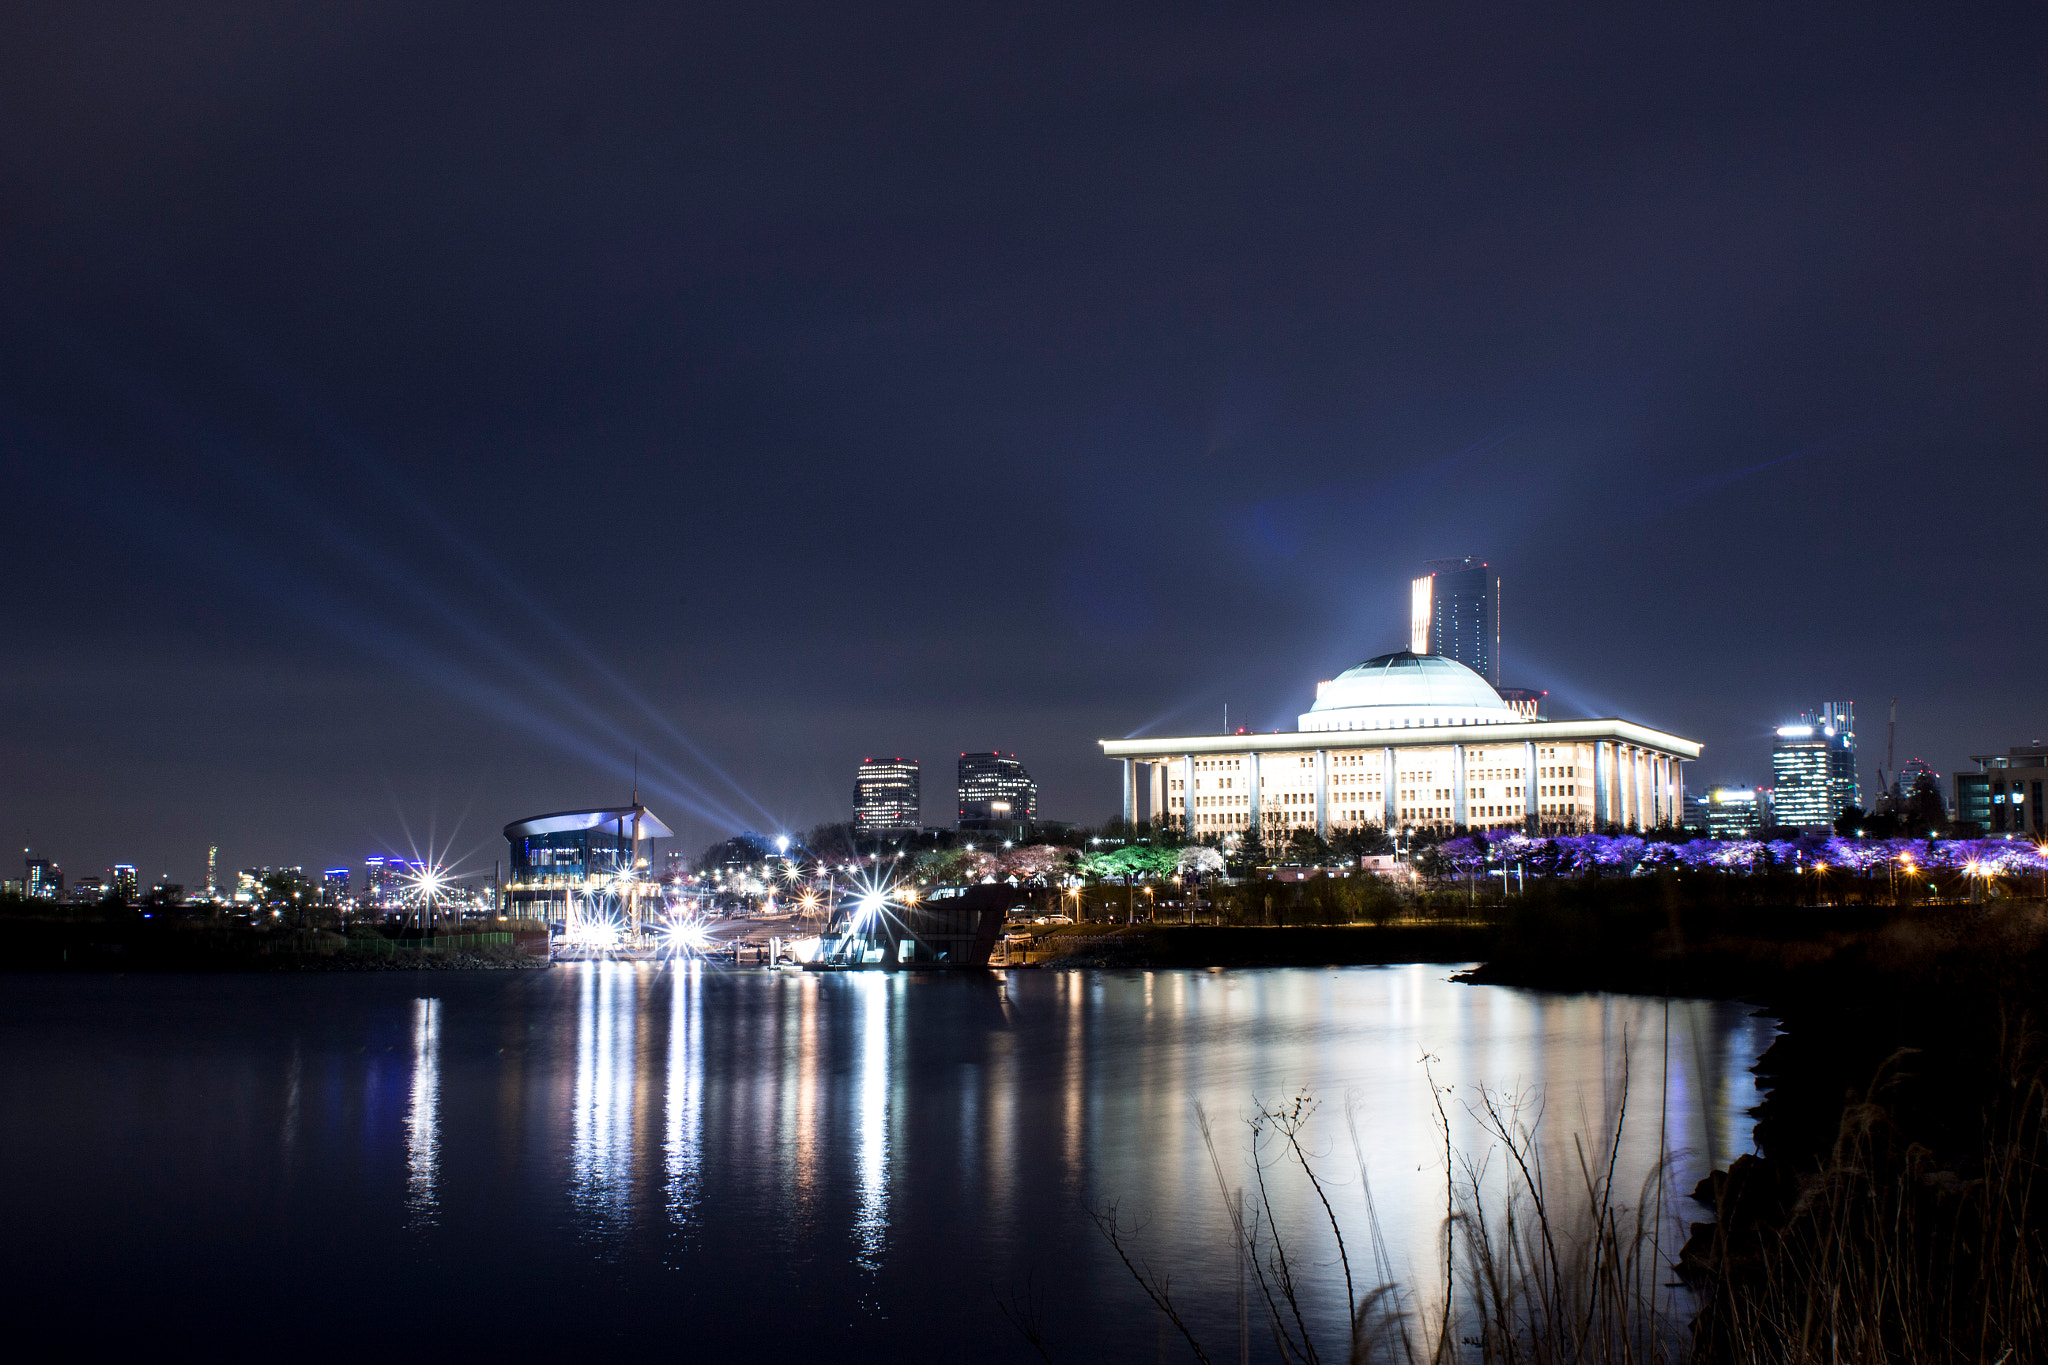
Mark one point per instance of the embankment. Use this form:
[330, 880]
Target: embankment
[1203, 945]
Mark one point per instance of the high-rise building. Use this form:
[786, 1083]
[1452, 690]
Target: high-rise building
[1917, 791]
[995, 790]
[385, 881]
[1454, 610]
[45, 880]
[125, 883]
[334, 886]
[886, 796]
[1736, 812]
[1813, 766]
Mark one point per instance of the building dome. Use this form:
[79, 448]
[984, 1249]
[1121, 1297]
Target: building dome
[1404, 691]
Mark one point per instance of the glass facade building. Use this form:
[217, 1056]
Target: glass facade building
[1454, 610]
[569, 854]
[995, 790]
[887, 796]
[1813, 766]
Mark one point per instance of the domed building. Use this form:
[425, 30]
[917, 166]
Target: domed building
[1405, 692]
[1410, 741]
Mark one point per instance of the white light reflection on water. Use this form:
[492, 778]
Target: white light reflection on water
[871, 1115]
[682, 1145]
[601, 1126]
[422, 1115]
[1066, 1091]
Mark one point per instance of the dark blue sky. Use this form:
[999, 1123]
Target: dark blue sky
[408, 411]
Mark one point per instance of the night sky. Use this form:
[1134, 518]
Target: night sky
[409, 411]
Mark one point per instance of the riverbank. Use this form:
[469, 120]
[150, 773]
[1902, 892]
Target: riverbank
[1897, 1203]
[126, 941]
[1204, 945]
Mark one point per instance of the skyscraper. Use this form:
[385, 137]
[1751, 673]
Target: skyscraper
[995, 790]
[887, 796]
[45, 880]
[1454, 610]
[125, 883]
[1813, 766]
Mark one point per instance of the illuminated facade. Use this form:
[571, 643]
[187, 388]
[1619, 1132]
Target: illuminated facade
[1736, 812]
[570, 854]
[1454, 611]
[1408, 741]
[44, 881]
[995, 790]
[887, 796]
[1813, 766]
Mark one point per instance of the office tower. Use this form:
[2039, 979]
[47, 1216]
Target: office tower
[995, 790]
[1454, 610]
[334, 886]
[1737, 812]
[212, 886]
[887, 796]
[44, 882]
[1813, 766]
[125, 883]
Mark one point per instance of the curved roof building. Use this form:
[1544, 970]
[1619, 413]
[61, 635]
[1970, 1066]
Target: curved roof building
[1405, 691]
[569, 853]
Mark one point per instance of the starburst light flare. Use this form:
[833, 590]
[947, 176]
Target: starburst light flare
[685, 936]
[593, 926]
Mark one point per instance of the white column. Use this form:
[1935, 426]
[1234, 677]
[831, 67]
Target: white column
[1257, 790]
[1600, 764]
[1387, 776]
[1158, 771]
[1187, 795]
[1528, 783]
[1130, 792]
[1635, 798]
[1458, 814]
[1322, 793]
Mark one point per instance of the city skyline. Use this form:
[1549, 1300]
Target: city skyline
[397, 449]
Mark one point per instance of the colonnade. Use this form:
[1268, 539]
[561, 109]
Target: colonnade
[1634, 787]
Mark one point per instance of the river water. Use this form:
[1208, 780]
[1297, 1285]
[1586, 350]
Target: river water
[725, 1163]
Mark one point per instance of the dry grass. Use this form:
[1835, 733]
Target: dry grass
[1883, 1256]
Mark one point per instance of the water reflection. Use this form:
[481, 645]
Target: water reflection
[896, 1129]
[871, 1115]
[760, 1163]
[683, 1138]
[422, 1114]
[601, 1113]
